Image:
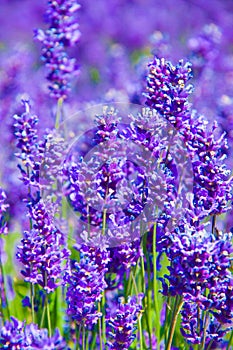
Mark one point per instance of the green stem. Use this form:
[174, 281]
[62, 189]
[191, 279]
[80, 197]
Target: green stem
[100, 328]
[78, 330]
[103, 318]
[143, 275]
[204, 333]
[48, 315]
[83, 337]
[42, 317]
[155, 288]
[176, 311]
[93, 342]
[148, 291]
[4, 291]
[166, 320]
[140, 333]
[47, 305]
[104, 222]
[32, 302]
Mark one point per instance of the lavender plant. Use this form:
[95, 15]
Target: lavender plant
[123, 239]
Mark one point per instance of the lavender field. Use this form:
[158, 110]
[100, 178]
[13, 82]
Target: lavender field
[116, 181]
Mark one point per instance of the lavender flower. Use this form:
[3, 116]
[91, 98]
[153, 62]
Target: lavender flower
[85, 285]
[199, 272]
[167, 92]
[17, 335]
[204, 47]
[193, 327]
[121, 325]
[31, 151]
[42, 251]
[125, 256]
[63, 32]
[198, 261]
[167, 89]
[26, 135]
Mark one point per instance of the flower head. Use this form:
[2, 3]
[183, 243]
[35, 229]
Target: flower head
[85, 285]
[17, 335]
[121, 325]
[63, 32]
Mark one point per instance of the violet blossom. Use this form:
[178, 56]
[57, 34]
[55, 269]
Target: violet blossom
[63, 32]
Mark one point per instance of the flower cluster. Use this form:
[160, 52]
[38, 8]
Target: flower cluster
[31, 151]
[167, 89]
[63, 32]
[86, 284]
[42, 250]
[204, 47]
[199, 272]
[167, 92]
[16, 335]
[121, 325]
[26, 135]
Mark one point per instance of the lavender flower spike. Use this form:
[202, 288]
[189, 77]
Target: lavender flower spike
[85, 285]
[122, 324]
[63, 32]
[16, 335]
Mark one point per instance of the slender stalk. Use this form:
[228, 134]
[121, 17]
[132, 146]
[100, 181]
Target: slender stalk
[166, 320]
[155, 288]
[93, 342]
[143, 275]
[204, 333]
[87, 340]
[104, 222]
[42, 317]
[48, 315]
[47, 306]
[100, 328]
[103, 318]
[135, 284]
[148, 291]
[4, 290]
[78, 330]
[214, 219]
[176, 311]
[140, 333]
[32, 302]
[83, 337]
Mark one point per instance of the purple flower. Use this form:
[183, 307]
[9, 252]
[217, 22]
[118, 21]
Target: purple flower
[31, 151]
[63, 32]
[192, 326]
[204, 47]
[198, 261]
[17, 335]
[167, 89]
[167, 93]
[122, 324]
[26, 135]
[42, 251]
[125, 256]
[85, 285]
[200, 273]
